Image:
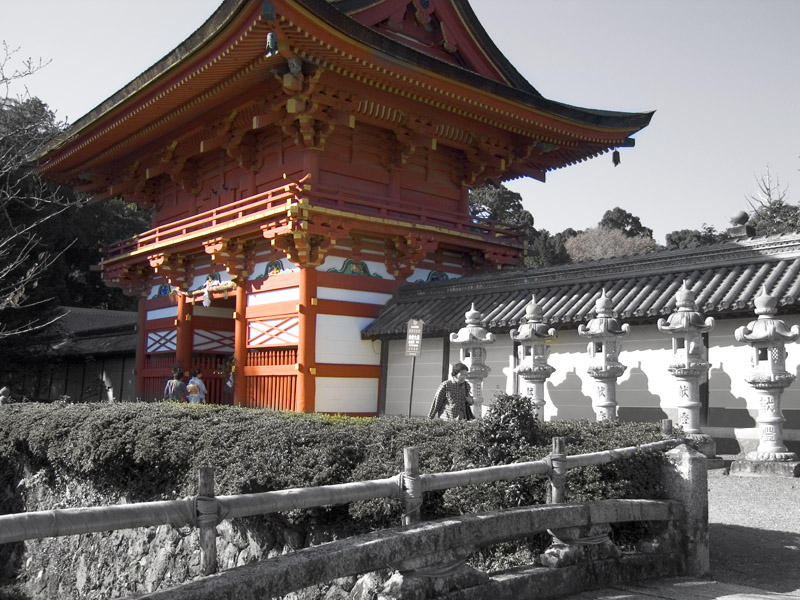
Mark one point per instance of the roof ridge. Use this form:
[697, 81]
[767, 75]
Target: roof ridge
[659, 262]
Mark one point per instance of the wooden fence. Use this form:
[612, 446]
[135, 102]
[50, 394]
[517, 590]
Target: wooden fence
[206, 510]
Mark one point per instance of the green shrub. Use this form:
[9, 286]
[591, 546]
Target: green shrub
[145, 452]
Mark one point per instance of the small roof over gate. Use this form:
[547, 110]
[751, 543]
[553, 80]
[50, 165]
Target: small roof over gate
[725, 278]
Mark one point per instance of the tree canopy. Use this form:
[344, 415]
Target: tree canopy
[601, 242]
[501, 205]
[621, 220]
[772, 214]
[50, 236]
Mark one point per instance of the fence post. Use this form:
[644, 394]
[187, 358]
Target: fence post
[685, 479]
[412, 487]
[666, 426]
[558, 473]
[207, 520]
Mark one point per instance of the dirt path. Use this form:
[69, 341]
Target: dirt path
[754, 531]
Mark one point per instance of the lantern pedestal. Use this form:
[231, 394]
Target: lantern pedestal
[770, 420]
[765, 468]
[604, 401]
[534, 377]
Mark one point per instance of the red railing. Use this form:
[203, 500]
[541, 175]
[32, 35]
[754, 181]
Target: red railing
[235, 213]
[276, 201]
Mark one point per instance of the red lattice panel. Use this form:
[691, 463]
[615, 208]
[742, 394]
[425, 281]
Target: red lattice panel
[276, 392]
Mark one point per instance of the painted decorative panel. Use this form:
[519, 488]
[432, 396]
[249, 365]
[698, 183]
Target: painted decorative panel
[162, 341]
[349, 266]
[262, 270]
[279, 331]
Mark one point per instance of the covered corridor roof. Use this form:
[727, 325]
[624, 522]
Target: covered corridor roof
[725, 278]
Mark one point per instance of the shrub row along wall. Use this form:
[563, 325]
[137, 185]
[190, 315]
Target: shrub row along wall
[64, 456]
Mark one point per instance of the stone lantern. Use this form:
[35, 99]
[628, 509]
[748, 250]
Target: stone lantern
[767, 336]
[533, 336]
[471, 341]
[686, 326]
[604, 332]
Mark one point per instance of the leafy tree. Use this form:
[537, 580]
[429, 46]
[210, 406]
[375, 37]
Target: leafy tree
[601, 242]
[49, 236]
[501, 205]
[621, 220]
[546, 250]
[694, 238]
[771, 213]
[27, 201]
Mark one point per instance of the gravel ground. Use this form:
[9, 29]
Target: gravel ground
[754, 531]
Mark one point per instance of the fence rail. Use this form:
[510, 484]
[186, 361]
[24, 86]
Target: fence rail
[190, 511]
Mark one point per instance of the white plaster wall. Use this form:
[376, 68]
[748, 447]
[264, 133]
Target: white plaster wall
[346, 395]
[169, 312]
[329, 293]
[281, 295]
[427, 377]
[646, 387]
[339, 341]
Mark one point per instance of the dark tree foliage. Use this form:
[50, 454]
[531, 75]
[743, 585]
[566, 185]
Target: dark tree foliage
[694, 238]
[546, 250]
[622, 220]
[27, 204]
[49, 236]
[501, 205]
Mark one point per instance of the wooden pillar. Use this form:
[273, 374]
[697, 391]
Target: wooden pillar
[185, 334]
[240, 347]
[141, 351]
[306, 348]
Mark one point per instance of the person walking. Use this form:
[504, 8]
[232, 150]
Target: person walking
[453, 398]
[175, 390]
[196, 388]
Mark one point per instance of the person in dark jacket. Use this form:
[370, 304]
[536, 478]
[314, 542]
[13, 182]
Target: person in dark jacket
[453, 397]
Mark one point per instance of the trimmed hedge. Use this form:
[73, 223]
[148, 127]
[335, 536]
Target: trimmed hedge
[143, 452]
[146, 452]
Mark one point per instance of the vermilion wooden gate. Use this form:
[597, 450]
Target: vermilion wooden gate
[271, 377]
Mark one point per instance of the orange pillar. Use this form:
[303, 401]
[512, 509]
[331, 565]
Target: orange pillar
[240, 348]
[185, 334]
[306, 347]
[141, 350]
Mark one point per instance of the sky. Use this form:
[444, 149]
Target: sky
[722, 75]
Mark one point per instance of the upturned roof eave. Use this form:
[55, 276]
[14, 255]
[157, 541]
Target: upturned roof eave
[525, 93]
[222, 17]
[226, 14]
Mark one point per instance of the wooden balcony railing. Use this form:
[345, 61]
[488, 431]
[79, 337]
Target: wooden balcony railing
[275, 202]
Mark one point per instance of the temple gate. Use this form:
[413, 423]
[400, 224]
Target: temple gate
[302, 160]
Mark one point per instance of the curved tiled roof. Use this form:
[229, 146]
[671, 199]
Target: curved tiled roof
[724, 277]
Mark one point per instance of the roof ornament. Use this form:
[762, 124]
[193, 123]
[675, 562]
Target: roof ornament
[272, 44]
[615, 157]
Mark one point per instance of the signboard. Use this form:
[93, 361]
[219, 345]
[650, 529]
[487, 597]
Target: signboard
[413, 337]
